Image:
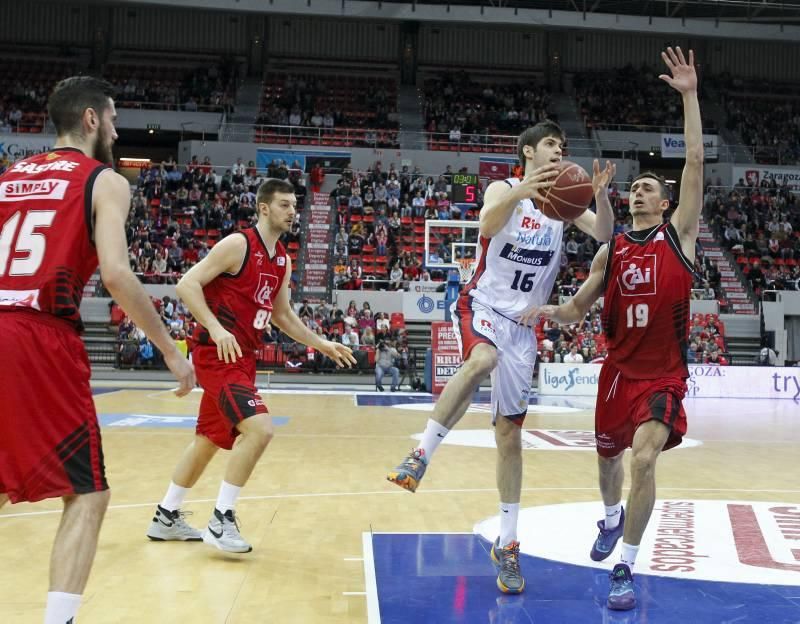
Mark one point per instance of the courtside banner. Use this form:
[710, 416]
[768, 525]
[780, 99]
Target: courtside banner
[705, 381]
[674, 146]
[754, 175]
[446, 354]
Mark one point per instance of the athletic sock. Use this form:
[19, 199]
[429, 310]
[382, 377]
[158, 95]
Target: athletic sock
[61, 607]
[629, 554]
[613, 514]
[174, 497]
[226, 499]
[432, 438]
[509, 512]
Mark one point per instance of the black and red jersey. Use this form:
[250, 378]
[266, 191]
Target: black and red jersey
[47, 253]
[648, 283]
[242, 302]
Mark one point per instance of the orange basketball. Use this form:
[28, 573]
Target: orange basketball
[570, 194]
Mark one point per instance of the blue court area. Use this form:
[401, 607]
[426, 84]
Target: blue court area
[481, 397]
[170, 421]
[449, 578]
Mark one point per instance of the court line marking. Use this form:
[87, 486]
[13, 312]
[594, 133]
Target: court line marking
[354, 593]
[354, 558]
[370, 581]
[400, 492]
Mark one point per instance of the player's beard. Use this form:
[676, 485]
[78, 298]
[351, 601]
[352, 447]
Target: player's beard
[103, 147]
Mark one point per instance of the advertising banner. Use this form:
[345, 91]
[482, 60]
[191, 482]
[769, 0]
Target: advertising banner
[317, 245]
[674, 146]
[446, 354]
[423, 306]
[705, 381]
[754, 175]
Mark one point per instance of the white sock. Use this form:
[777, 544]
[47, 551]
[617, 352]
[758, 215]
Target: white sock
[173, 499]
[508, 523]
[432, 438]
[629, 554]
[226, 499]
[61, 607]
[613, 514]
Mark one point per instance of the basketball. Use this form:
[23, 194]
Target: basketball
[570, 194]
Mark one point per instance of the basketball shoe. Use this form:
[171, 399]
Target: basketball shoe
[223, 532]
[410, 472]
[607, 538]
[170, 526]
[506, 560]
[621, 594]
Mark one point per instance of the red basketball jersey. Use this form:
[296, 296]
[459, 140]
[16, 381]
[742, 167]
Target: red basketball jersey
[242, 302]
[648, 282]
[46, 249]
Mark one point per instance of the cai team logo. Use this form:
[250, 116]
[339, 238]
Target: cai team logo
[267, 284]
[638, 276]
[752, 177]
[700, 540]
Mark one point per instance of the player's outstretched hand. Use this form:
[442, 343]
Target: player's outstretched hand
[528, 317]
[602, 178]
[539, 180]
[341, 355]
[183, 371]
[684, 77]
[227, 347]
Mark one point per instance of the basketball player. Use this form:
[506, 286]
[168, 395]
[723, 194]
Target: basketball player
[61, 213]
[235, 292]
[518, 260]
[646, 275]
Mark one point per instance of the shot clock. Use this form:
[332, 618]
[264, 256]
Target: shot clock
[464, 188]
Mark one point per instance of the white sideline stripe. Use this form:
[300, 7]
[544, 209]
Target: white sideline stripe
[354, 593]
[354, 558]
[370, 581]
[400, 492]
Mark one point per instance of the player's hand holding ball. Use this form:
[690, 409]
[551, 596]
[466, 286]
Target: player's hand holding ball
[227, 347]
[535, 185]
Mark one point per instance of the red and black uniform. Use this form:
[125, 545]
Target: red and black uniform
[49, 436]
[242, 303]
[648, 282]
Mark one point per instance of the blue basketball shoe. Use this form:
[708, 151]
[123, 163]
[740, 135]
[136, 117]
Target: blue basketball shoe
[621, 594]
[607, 538]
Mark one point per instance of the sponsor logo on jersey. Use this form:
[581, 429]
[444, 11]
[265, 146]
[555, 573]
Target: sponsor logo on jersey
[281, 261]
[20, 298]
[714, 540]
[267, 284]
[485, 327]
[259, 258]
[529, 223]
[542, 238]
[58, 165]
[530, 257]
[638, 275]
[254, 402]
[22, 190]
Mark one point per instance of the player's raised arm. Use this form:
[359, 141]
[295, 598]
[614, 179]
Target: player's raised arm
[225, 257]
[111, 204]
[576, 308]
[500, 199]
[599, 226]
[284, 317]
[684, 80]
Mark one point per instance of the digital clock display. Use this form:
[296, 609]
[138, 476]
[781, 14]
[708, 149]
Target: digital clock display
[464, 188]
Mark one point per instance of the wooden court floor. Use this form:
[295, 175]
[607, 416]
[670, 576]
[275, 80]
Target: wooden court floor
[321, 484]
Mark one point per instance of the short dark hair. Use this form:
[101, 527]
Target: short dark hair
[268, 188]
[661, 181]
[536, 133]
[72, 96]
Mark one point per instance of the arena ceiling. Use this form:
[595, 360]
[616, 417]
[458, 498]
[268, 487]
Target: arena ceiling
[757, 11]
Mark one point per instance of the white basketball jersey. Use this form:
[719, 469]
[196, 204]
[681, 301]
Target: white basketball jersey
[517, 267]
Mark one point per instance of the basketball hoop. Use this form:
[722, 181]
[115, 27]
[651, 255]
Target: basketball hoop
[466, 267]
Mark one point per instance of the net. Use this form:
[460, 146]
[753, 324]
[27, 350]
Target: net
[466, 268]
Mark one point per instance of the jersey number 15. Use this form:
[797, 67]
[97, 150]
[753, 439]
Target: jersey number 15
[26, 240]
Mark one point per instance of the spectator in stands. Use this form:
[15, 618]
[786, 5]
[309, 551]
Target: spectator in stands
[573, 357]
[396, 277]
[715, 358]
[368, 337]
[382, 326]
[350, 338]
[385, 357]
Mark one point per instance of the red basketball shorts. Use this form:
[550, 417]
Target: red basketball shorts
[49, 435]
[229, 395]
[623, 404]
